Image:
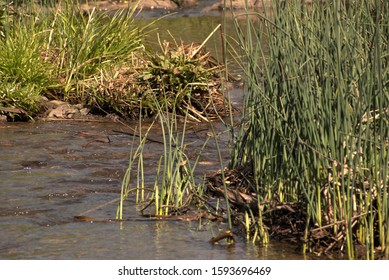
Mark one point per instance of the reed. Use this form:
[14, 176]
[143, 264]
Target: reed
[175, 180]
[176, 187]
[181, 90]
[317, 119]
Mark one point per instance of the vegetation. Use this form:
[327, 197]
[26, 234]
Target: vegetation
[175, 187]
[177, 192]
[310, 162]
[97, 59]
[22, 71]
[313, 155]
[182, 78]
[50, 50]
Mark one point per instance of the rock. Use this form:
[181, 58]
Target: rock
[63, 110]
[235, 4]
[84, 111]
[158, 4]
[241, 4]
[53, 104]
[166, 4]
[12, 110]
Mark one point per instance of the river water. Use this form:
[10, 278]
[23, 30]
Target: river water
[53, 171]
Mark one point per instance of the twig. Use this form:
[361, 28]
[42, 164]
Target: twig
[141, 136]
[98, 207]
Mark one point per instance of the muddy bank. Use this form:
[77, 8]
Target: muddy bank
[206, 6]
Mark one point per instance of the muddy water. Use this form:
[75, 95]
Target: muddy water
[53, 171]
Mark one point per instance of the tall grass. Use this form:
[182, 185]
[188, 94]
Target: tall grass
[23, 72]
[54, 48]
[88, 42]
[317, 117]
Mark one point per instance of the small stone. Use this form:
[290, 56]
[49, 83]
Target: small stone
[84, 111]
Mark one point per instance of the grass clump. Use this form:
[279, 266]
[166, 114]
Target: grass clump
[23, 72]
[98, 59]
[53, 49]
[89, 43]
[313, 153]
[183, 76]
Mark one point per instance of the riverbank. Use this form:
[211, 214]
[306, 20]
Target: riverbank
[100, 63]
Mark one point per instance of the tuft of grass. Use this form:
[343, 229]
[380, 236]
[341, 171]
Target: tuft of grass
[183, 76]
[54, 49]
[23, 71]
[88, 42]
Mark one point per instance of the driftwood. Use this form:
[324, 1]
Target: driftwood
[145, 217]
[13, 110]
[237, 198]
[227, 235]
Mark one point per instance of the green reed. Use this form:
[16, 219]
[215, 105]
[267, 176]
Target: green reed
[175, 185]
[317, 115]
[136, 162]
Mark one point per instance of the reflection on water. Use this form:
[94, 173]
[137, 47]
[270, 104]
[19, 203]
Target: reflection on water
[48, 176]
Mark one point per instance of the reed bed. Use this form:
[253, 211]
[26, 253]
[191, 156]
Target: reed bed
[313, 151]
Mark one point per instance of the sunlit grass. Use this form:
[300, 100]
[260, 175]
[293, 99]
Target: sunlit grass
[54, 48]
[317, 118]
[99, 59]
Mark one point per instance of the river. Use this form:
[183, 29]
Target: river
[51, 172]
